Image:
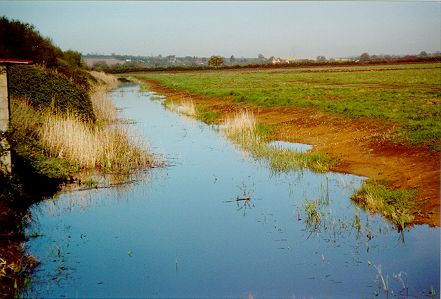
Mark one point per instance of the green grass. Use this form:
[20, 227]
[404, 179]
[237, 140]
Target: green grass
[407, 95]
[397, 205]
[205, 115]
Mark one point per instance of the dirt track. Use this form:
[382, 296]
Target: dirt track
[359, 146]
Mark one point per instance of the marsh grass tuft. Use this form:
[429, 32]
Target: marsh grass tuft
[313, 214]
[398, 205]
[244, 130]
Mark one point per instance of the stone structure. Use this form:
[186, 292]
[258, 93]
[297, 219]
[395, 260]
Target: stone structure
[5, 153]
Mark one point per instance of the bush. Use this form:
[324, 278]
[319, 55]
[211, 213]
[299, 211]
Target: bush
[48, 89]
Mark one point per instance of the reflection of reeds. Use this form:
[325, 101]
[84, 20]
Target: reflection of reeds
[244, 130]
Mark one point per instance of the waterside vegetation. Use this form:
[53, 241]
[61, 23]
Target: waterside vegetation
[397, 205]
[251, 137]
[402, 98]
[63, 127]
[242, 128]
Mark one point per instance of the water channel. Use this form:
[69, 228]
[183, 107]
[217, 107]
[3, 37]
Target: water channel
[180, 231]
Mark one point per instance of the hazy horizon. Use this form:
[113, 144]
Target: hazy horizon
[282, 29]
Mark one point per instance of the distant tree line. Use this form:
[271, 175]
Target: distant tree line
[123, 63]
[311, 63]
[421, 57]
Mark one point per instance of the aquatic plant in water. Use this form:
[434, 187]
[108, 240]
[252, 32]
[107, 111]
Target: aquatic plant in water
[397, 205]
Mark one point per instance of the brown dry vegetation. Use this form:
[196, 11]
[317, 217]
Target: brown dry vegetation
[360, 146]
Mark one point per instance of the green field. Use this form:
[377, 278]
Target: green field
[407, 95]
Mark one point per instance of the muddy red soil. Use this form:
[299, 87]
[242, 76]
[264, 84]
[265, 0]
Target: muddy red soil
[360, 146]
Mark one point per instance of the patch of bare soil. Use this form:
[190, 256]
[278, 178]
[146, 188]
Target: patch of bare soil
[360, 146]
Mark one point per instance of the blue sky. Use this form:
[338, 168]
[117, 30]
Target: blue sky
[295, 29]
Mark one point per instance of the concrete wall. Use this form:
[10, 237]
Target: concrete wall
[4, 107]
[5, 157]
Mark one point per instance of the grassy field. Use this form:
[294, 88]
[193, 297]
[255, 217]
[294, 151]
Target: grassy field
[405, 95]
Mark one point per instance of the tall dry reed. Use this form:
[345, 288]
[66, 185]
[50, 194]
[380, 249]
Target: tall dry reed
[102, 106]
[109, 81]
[91, 146]
[242, 128]
[185, 107]
[101, 103]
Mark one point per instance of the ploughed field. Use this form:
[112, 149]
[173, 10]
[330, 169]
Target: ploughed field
[382, 122]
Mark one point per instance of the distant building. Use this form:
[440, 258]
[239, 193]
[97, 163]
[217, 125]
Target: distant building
[276, 60]
[280, 60]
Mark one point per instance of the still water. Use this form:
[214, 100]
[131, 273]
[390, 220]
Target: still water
[180, 231]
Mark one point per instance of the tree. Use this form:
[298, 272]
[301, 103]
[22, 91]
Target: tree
[321, 58]
[215, 61]
[423, 54]
[232, 59]
[73, 58]
[365, 57]
[23, 41]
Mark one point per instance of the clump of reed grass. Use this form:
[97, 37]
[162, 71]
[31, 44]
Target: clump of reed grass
[82, 145]
[102, 106]
[108, 81]
[185, 107]
[398, 205]
[243, 129]
[91, 146]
